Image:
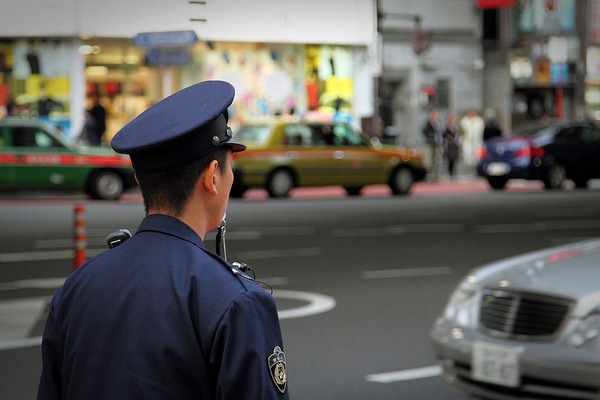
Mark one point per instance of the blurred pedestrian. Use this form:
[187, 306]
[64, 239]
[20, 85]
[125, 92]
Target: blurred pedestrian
[492, 128]
[471, 128]
[451, 144]
[46, 105]
[432, 130]
[95, 120]
[160, 316]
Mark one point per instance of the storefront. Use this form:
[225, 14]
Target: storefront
[270, 79]
[546, 63]
[592, 81]
[35, 80]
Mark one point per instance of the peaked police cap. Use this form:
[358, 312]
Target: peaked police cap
[180, 128]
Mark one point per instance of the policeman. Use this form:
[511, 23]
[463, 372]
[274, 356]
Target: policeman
[160, 316]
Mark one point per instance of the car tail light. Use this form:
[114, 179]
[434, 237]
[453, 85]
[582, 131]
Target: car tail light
[524, 152]
[532, 152]
[483, 153]
[537, 152]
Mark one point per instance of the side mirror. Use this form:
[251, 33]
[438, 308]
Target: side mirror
[375, 142]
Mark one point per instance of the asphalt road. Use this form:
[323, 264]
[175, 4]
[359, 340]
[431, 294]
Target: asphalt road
[358, 281]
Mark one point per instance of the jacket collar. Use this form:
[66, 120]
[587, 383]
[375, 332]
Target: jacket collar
[170, 226]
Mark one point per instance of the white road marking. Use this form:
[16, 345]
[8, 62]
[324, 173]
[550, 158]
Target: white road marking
[49, 283]
[20, 343]
[397, 230]
[282, 253]
[538, 226]
[406, 375]
[565, 212]
[276, 281]
[317, 303]
[45, 255]
[426, 228]
[260, 233]
[510, 228]
[405, 272]
[359, 232]
[18, 317]
[68, 243]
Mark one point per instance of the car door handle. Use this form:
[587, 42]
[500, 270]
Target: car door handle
[338, 155]
[293, 155]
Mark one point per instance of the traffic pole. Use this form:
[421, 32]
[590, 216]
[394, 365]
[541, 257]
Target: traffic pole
[559, 100]
[79, 236]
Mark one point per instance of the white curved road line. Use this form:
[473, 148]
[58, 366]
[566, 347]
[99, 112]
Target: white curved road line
[406, 375]
[317, 303]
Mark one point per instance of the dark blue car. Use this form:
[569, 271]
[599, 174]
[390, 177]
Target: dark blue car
[551, 152]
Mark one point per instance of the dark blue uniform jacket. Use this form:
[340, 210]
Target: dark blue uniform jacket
[160, 317]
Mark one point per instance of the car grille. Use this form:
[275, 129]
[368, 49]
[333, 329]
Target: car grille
[521, 316]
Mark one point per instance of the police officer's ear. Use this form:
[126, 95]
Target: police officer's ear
[210, 177]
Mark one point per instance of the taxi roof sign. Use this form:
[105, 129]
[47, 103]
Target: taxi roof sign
[165, 39]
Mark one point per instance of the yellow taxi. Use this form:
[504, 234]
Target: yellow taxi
[285, 154]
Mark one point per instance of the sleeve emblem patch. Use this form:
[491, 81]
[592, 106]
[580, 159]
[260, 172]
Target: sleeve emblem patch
[277, 366]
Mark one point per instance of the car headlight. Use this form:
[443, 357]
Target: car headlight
[586, 330]
[463, 306]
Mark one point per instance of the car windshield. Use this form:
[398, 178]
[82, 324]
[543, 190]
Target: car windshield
[254, 134]
[543, 131]
[533, 128]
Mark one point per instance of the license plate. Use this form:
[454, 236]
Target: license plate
[496, 364]
[498, 168]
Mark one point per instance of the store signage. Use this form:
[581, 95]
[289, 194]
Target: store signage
[542, 72]
[484, 4]
[558, 49]
[168, 57]
[593, 65]
[559, 73]
[165, 39]
[521, 68]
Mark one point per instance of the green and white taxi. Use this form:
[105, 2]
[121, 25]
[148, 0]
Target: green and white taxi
[34, 156]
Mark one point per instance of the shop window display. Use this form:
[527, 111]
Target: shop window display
[34, 81]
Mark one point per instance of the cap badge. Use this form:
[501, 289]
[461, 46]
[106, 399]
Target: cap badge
[277, 366]
[215, 140]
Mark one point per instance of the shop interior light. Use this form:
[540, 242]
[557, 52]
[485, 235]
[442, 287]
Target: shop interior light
[96, 70]
[87, 49]
[131, 59]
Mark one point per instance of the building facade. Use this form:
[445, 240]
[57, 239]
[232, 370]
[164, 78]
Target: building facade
[380, 64]
[542, 45]
[432, 57]
[523, 59]
[311, 57]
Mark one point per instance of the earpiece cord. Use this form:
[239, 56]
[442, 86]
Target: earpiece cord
[220, 241]
[239, 268]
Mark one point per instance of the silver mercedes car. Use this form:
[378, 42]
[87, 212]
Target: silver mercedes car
[526, 327]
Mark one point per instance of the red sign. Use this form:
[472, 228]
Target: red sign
[495, 3]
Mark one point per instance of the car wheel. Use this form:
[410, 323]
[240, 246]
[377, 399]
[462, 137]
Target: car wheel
[497, 183]
[353, 191]
[401, 181]
[280, 183]
[237, 189]
[555, 177]
[105, 185]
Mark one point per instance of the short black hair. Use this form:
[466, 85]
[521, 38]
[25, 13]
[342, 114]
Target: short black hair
[171, 188]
